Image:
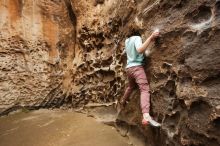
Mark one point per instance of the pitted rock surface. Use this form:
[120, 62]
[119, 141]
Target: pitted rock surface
[34, 52]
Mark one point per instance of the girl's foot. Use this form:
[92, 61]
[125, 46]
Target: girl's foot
[147, 119]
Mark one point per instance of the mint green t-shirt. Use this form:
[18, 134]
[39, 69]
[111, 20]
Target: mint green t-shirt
[133, 57]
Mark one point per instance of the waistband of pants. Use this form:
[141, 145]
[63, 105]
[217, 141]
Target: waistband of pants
[138, 66]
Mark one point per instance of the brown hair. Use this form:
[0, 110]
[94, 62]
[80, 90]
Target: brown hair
[133, 30]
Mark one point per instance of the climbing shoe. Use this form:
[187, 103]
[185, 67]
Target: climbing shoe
[147, 119]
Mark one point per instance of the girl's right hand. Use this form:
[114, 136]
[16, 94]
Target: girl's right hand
[155, 35]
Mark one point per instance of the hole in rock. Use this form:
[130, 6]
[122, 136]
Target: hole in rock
[203, 13]
[170, 85]
[107, 62]
[164, 92]
[217, 7]
[199, 113]
[174, 76]
[189, 36]
[211, 80]
[98, 2]
[215, 127]
[181, 3]
[172, 120]
[186, 80]
[216, 123]
[198, 106]
[160, 76]
[172, 93]
[177, 104]
[168, 4]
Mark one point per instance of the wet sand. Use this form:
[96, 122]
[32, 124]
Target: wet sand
[56, 128]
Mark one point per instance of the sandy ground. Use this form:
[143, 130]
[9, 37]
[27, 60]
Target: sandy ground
[56, 128]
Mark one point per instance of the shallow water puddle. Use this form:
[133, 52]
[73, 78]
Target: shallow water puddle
[56, 128]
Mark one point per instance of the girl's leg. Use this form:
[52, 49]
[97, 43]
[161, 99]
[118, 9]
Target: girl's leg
[129, 89]
[142, 82]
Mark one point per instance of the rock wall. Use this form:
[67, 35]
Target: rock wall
[183, 72]
[35, 51]
[70, 53]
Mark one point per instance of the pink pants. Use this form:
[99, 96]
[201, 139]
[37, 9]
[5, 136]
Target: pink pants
[136, 76]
